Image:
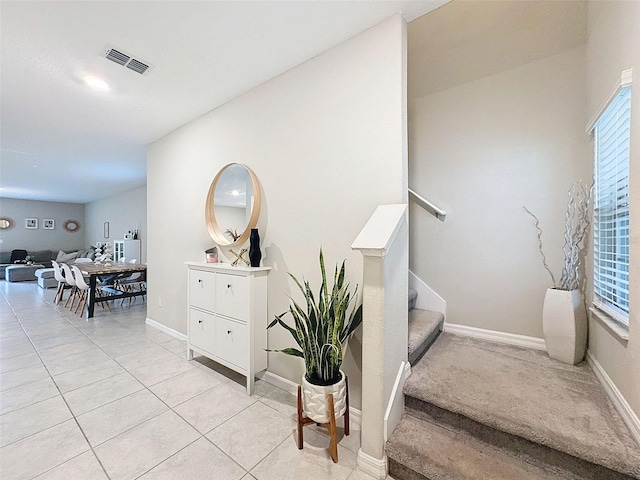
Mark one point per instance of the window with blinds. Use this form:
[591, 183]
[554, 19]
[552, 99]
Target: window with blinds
[611, 208]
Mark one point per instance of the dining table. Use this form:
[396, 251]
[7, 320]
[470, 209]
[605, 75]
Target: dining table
[96, 270]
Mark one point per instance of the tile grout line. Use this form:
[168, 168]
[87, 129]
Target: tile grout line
[145, 387]
[66, 403]
[87, 334]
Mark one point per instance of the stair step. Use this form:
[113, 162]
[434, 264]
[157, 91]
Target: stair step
[418, 449]
[424, 328]
[552, 414]
[489, 439]
[413, 296]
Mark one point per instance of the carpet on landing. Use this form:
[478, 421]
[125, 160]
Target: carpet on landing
[525, 393]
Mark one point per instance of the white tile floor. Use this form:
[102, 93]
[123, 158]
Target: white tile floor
[112, 398]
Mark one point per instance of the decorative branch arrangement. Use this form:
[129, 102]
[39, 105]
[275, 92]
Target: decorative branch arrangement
[232, 233]
[576, 225]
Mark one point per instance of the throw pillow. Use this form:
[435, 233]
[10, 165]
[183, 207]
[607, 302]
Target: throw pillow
[66, 257]
[89, 253]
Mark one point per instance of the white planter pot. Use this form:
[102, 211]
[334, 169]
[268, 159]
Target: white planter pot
[314, 399]
[564, 323]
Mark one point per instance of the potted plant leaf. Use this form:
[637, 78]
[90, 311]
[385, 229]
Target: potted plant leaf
[564, 317]
[321, 329]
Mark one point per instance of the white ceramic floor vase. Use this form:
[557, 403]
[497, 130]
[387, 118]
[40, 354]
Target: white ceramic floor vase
[564, 323]
[314, 399]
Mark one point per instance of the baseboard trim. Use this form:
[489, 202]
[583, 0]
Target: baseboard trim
[165, 329]
[395, 407]
[496, 336]
[375, 467]
[355, 415]
[278, 381]
[621, 405]
[355, 418]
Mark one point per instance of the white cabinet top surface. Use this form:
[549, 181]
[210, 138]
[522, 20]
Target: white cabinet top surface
[227, 268]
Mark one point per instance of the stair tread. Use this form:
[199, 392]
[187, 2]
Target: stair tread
[524, 392]
[440, 453]
[423, 328]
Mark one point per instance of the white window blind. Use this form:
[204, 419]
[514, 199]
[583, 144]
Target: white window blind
[611, 215]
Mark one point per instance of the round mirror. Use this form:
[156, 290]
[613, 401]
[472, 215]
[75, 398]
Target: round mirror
[71, 225]
[5, 223]
[233, 205]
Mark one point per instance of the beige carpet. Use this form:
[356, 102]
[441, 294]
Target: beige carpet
[525, 393]
[424, 328]
[439, 453]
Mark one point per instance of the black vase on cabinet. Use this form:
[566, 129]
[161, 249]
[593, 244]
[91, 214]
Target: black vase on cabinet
[255, 255]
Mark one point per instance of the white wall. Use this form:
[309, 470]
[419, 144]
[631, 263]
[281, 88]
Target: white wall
[124, 212]
[481, 151]
[19, 237]
[326, 141]
[613, 46]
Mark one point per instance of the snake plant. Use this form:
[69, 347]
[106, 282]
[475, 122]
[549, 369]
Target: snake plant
[323, 326]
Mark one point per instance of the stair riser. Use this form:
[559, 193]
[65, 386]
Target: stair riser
[531, 452]
[399, 471]
[414, 357]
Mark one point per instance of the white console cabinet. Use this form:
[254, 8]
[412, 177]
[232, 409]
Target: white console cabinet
[227, 315]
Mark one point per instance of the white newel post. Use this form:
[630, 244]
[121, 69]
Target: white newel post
[384, 244]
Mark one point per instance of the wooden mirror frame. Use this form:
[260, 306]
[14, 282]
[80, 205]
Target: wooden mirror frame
[6, 223]
[212, 225]
[67, 225]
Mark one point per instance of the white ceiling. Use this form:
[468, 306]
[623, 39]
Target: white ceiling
[467, 40]
[61, 141]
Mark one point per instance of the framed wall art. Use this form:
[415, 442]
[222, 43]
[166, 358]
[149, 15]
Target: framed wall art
[31, 223]
[71, 225]
[48, 224]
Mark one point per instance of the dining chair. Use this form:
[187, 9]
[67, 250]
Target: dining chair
[62, 284]
[70, 281]
[132, 283]
[81, 286]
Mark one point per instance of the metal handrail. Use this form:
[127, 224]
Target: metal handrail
[428, 206]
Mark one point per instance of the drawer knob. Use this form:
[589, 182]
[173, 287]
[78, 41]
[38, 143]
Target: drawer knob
[199, 280]
[228, 332]
[199, 321]
[228, 285]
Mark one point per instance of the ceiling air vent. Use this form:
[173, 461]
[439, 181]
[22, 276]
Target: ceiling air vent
[126, 61]
[118, 57]
[137, 66]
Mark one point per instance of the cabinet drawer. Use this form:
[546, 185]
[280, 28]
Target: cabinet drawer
[232, 296]
[202, 289]
[231, 342]
[202, 330]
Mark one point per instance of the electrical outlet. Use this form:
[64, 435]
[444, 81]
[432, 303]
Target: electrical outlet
[160, 302]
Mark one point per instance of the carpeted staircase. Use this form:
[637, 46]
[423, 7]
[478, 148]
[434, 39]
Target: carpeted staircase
[481, 410]
[424, 328]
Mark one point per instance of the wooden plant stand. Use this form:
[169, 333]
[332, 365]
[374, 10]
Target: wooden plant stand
[303, 421]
